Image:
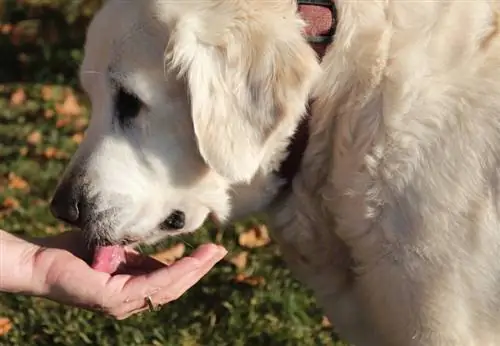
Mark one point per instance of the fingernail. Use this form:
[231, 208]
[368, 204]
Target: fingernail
[221, 250]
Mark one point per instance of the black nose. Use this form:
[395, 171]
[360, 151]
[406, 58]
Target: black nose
[65, 203]
[174, 221]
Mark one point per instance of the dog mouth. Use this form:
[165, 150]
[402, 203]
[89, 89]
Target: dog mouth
[110, 255]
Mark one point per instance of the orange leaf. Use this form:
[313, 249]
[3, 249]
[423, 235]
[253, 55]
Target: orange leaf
[17, 183]
[325, 322]
[10, 203]
[240, 260]
[62, 123]
[5, 28]
[50, 152]
[18, 97]
[77, 138]
[5, 325]
[51, 230]
[256, 237]
[49, 113]
[70, 107]
[170, 255]
[34, 138]
[80, 123]
[250, 280]
[47, 93]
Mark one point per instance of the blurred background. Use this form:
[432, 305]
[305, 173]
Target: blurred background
[248, 299]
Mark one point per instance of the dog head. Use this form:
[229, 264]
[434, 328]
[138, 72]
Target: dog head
[191, 103]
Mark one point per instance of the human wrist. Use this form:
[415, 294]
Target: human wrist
[18, 270]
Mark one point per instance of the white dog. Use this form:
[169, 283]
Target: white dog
[393, 218]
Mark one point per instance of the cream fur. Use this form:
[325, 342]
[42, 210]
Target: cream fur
[393, 219]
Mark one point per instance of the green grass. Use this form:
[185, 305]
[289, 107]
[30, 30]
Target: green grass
[217, 311]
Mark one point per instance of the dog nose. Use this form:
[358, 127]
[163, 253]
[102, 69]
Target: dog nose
[64, 204]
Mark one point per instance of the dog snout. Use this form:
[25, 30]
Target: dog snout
[67, 203]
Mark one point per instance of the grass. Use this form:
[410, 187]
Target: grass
[42, 118]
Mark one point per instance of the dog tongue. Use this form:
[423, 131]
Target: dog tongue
[108, 258]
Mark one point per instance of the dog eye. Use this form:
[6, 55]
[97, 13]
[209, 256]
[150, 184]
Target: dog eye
[128, 106]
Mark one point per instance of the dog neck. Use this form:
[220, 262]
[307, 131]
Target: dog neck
[321, 18]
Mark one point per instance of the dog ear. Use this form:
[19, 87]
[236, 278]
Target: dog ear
[249, 77]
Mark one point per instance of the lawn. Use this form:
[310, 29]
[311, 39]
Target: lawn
[248, 299]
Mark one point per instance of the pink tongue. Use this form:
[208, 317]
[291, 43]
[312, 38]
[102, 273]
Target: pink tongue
[108, 258]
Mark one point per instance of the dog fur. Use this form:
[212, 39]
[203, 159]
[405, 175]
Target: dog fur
[393, 219]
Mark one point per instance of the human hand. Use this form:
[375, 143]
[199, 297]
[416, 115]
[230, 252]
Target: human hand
[68, 279]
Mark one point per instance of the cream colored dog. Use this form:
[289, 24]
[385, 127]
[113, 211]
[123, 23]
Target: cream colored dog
[393, 219]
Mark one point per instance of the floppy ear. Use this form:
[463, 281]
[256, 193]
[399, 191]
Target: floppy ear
[249, 77]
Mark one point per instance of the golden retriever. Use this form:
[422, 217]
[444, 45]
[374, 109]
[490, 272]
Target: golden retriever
[393, 217]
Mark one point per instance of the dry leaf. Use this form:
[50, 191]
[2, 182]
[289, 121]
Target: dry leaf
[6, 29]
[34, 138]
[80, 123]
[5, 325]
[17, 183]
[51, 230]
[258, 236]
[47, 93]
[10, 203]
[49, 113]
[325, 322]
[53, 153]
[62, 123]
[77, 138]
[50, 152]
[18, 97]
[170, 255]
[70, 107]
[240, 260]
[250, 280]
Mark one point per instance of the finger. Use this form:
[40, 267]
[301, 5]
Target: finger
[165, 276]
[169, 294]
[172, 281]
[179, 287]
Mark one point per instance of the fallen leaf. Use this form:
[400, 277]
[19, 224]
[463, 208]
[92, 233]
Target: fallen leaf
[325, 322]
[81, 123]
[50, 152]
[49, 113]
[11, 203]
[240, 260]
[34, 138]
[17, 183]
[5, 325]
[51, 230]
[77, 138]
[18, 97]
[250, 280]
[170, 255]
[47, 93]
[62, 123]
[70, 107]
[6, 29]
[258, 236]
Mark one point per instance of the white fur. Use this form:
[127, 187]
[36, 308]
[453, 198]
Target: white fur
[393, 219]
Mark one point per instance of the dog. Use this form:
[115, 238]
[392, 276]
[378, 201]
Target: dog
[392, 218]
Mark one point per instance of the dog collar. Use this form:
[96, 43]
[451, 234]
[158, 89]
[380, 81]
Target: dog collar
[321, 19]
